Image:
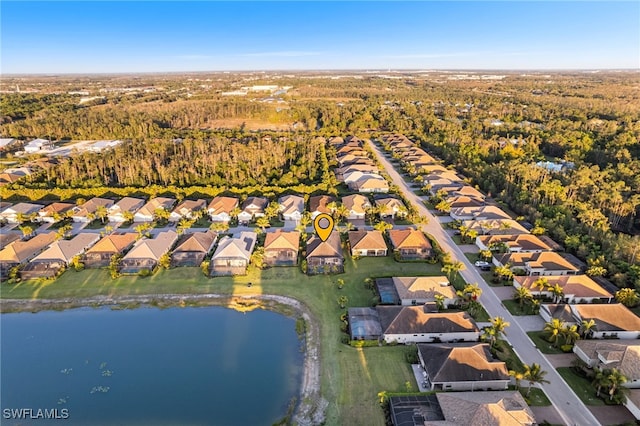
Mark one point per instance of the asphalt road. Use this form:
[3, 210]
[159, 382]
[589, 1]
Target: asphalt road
[569, 406]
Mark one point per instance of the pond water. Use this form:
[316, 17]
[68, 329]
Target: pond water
[148, 366]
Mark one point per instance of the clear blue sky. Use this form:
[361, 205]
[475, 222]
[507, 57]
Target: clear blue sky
[84, 37]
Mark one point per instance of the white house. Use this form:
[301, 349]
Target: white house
[252, 207]
[38, 145]
[612, 320]
[357, 206]
[607, 354]
[221, 208]
[291, 207]
[13, 213]
[147, 212]
[420, 290]
[127, 204]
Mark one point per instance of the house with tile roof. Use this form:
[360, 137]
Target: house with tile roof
[613, 320]
[58, 256]
[147, 212]
[291, 207]
[320, 204]
[575, 288]
[607, 354]
[417, 324]
[118, 211]
[391, 207]
[20, 252]
[99, 256]
[12, 214]
[192, 248]
[221, 209]
[410, 244]
[233, 254]
[537, 264]
[146, 253]
[478, 213]
[8, 238]
[357, 206]
[632, 402]
[488, 408]
[54, 212]
[325, 256]
[495, 227]
[420, 290]
[187, 209]
[252, 208]
[519, 243]
[367, 243]
[281, 248]
[462, 367]
[86, 212]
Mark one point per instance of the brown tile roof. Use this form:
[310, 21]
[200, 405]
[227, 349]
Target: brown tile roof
[65, 250]
[487, 408]
[367, 240]
[561, 311]
[197, 241]
[414, 319]
[523, 241]
[319, 203]
[188, 206]
[332, 247]
[21, 251]
[153, 248]
[114, 243]
[578, 285]
[423, 287]
[548, 260]
[7, 238]
[609, 317]
[237, 247]
[461, 362]
[223, 205]
[621, 354]
[282, 240]
[495, 226]
[55, 208]
[358, 203]
[127, 204]
[92, 205]
[154, 204]
[408, 238]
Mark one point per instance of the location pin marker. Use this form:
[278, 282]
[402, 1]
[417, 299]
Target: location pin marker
[323, 224]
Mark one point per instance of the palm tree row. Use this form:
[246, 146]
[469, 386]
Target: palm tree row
[532, 374]
[612, 379]
[558, 331]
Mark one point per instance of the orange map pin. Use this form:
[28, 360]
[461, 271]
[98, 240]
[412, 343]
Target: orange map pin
[323, 224]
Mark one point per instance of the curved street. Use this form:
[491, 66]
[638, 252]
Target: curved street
[569, 406]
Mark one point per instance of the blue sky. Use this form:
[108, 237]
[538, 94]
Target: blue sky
[118, 36]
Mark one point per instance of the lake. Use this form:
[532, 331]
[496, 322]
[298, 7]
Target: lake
[149, 366]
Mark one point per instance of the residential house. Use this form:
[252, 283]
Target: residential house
[390, 207]
[146, 253]
[99, 256]
[462, 367]
[356, 205]
[20, 211]
[252, 208]
[232, 256]
[465, 190]
[410, 244]
[20, 252]
[87, 211]
[58, 256]
[612, 320]
[320, 204]
[478, 213]
[118, 211]
[281, 248]
[221, 209]
[341, 172]
[352, 177]
[54, 212]
[192, 248]
[420, 290]
[519, 243]
[632, 402]
[560, 311]
[9, 237]
[7, 178]
[538, 263]
[370, 183]
[187, 209]
[504, 408]
[148, 211]
[364, 324]
[414, 410]
[575, 288]
[325, 256]
[464, 201]
[38, 145]
[367, 243]
[416, 324]
[495, 227]
[607, 354]
[291, 207]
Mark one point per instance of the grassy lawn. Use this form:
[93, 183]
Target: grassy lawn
[506, 354]
[514, 307]
[537, 397]
[95, 224]
[351, 378]
[581, 386]
[541, 343]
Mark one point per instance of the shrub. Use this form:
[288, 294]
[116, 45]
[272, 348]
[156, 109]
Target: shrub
[144, 272]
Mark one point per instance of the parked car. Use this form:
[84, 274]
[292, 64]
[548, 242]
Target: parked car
[482, 264]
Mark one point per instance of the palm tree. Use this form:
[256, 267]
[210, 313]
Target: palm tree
[541, 284]
[615, 379]
[443, 206]
[464, 231]
[101, 213]
[498, 325]
[262, 222]
[587, 328]
[627, 296]
[504, 272]
[439, 299]
[570, 334]
[554, 330]
[272, 210]
[128, 216]
[517, 375]
[522, 295]
[534, 374]
[26, 230]
[452, 269]
[557, 291]
[599, 380]
[340, 213]
[342, 301]
[485, 254]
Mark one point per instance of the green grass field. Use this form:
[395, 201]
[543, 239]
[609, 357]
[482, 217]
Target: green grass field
[351, 378]
[537, 397]
[542, 344]
[515, 309]
[581, 386]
